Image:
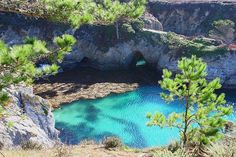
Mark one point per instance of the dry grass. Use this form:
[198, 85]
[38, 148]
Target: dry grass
[91, 150]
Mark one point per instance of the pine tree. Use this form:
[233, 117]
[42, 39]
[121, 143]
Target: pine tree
[202, 120]
[102, 12]
[18, 63]
[78, 12]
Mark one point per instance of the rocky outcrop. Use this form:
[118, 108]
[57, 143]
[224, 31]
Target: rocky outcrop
[96, 50]
[157, 54]
[191, 17]
[230, 129]
[151, 22]
[28, 120]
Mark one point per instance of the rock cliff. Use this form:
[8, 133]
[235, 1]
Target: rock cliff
[191, 17]
[28, 120]
[95, 46]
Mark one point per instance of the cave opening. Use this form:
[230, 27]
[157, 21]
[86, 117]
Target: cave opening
[138, 60]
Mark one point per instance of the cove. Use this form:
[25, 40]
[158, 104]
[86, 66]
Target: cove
[121, 115]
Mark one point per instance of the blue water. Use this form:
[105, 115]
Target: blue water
[120, 115]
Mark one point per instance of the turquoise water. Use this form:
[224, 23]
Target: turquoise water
[120, 115]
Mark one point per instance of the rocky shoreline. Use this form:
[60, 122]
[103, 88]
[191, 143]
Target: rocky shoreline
[88, 83]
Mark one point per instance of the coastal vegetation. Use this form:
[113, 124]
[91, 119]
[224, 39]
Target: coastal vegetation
[199, 47]
[19, 63]
[115, 36]
[203, 119]
[223, 30]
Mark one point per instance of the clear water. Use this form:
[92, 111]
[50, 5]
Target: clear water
[141, 63]
[121, 115]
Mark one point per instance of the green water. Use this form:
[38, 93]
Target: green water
[121, 115]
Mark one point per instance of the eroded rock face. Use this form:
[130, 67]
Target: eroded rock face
[88, 51]
[157, 55]
[151, 22]
[29, 119]
[192, 17]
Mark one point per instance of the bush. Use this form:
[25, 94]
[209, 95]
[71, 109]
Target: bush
[127, 29]
[31, 145]
[189, 47]
[138, 25]
[112, 142]
[174, 146]
[223, 23]
[223, 30]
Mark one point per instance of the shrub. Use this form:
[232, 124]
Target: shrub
[223, 30]
[112, 142]
[189, 47]
[127, 28]
[174, 146]
[138, 25]
[223, 23]
[31, 145]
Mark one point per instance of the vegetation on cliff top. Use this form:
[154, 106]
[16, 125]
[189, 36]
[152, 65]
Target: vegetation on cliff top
[223, 30]
[199, 47]
[18, 63]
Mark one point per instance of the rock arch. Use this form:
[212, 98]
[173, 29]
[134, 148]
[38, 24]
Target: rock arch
[138, 60]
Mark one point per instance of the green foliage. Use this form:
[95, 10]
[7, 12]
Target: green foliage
[219, 23]
[106, 12]
[112, 142]
[130, 28]
[127, 28]
[31, 145]
[77, 12]
[137, 25]
[192, 47]
[18, 63]
[223, 30]
[202, 121]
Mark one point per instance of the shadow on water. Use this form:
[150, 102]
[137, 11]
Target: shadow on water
[73, 134]
[132, 129]
[91, 113]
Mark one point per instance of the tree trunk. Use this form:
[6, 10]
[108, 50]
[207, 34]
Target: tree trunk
[185, 137]
[186, 120]
[117, 30]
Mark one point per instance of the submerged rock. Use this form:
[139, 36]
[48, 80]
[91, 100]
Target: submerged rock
[28, 119]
